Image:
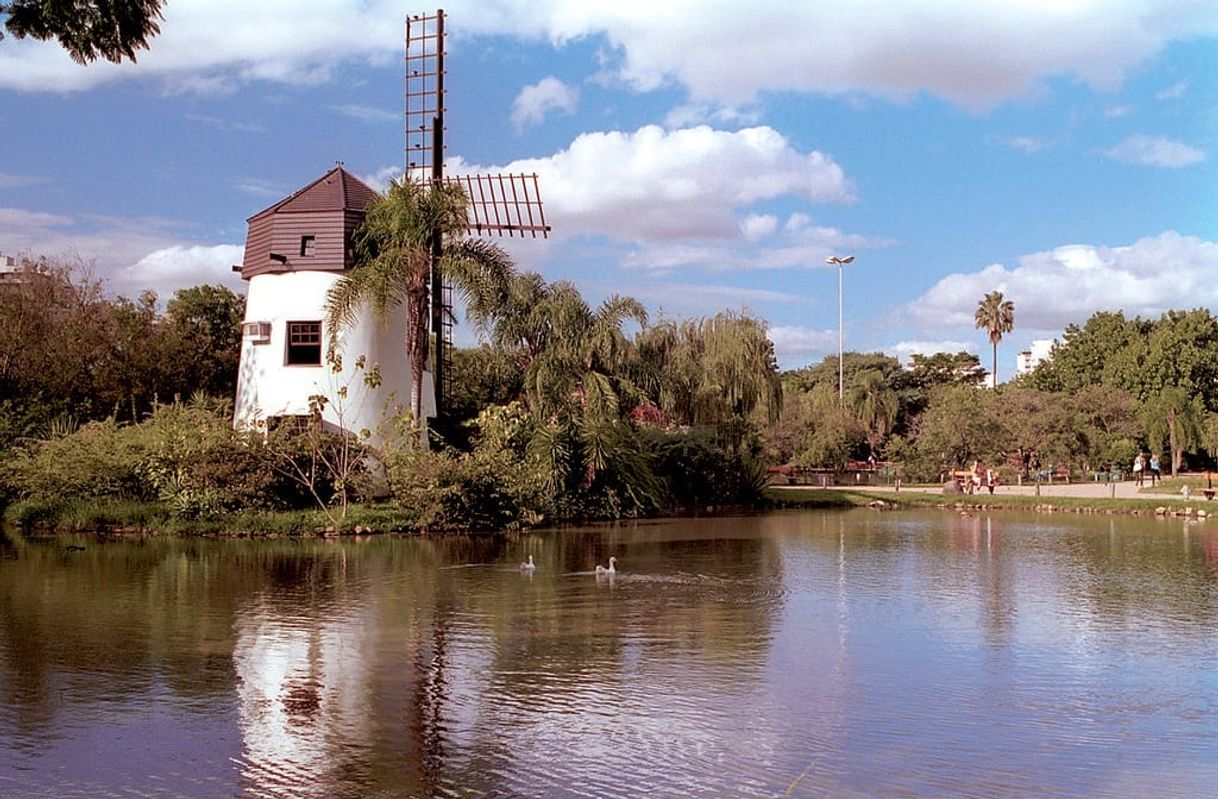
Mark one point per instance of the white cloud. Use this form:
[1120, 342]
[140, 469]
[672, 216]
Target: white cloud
[758, 226]
[1028, 144]
[226, 124]
[381, 179]
[8, 181]
[536, 101]
[1117, 111]
[703, 298]
[904, 350]
[366, 113]
[1155, 151]
[17, 224]
[1067, 284]
[730, 52]
[177, 267]
[260, 187]
[724, 53]
[793, 342]
[130, 255]
[657, 185]
[1173, 92]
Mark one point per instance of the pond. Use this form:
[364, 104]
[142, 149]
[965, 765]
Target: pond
[800, 653]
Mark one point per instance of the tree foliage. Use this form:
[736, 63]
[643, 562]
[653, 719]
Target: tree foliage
[87, 29]
[67, 350]
[393, 265]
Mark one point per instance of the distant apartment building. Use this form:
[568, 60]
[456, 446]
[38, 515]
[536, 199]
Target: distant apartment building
[10, 272]
[1039, 351]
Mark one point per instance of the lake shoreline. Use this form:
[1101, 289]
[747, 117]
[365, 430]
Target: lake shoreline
[139, 520]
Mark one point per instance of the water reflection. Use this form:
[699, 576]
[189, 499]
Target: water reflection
[805, 654]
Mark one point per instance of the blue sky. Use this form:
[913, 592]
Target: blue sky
[696, 155]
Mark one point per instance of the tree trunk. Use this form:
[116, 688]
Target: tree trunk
[1175, 453]
[994, 376]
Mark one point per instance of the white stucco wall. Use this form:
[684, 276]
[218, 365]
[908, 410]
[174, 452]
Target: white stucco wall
[267, 386]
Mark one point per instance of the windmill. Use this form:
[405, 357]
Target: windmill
[499, 204]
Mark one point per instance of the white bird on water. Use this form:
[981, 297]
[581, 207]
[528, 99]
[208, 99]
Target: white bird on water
[528, 567]
[611, 570]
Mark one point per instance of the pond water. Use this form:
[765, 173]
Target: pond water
[844, 654]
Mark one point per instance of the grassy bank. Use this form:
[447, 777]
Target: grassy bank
[1148, 506]
[153, 518]
[156, 518]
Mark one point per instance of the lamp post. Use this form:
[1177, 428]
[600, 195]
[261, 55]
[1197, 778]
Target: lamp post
[839, 262]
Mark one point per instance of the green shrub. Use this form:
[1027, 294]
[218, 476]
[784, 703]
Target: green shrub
[101, 459]
[698, 472]
[30, 512]
[485, 490]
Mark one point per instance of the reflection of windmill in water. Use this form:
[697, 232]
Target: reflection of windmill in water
[498, 204]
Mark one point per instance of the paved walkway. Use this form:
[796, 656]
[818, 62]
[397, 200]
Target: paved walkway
[1126, 489]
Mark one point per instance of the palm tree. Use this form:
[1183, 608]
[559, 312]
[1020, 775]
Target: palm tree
[572, 356]
[393, 263]
[997, 316]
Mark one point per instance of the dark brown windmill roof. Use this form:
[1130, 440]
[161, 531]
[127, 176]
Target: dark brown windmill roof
[337, 190]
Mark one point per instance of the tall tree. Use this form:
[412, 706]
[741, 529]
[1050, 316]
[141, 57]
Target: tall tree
[394, 262]
[875, 404]
[1174, 418]
[996, 316]
[718, 371]
[573, 357]
[87, 29]
[204, 322]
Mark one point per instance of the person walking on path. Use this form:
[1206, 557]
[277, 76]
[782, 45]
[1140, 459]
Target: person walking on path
[1154, 469]
[1138, 464]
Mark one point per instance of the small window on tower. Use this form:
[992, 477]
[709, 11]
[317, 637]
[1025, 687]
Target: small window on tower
[304, 344]
[308, 245]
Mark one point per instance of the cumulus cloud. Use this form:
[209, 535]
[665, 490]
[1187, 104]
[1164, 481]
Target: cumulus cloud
[1155, 151]
[1067, 284]
[996, 50]
[381, 178]
[758, 226]
[905, 350]
[537, 101]
[794, 343]
[171, 268]
[657, 185]
[130, 255]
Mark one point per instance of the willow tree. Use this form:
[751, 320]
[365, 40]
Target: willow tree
[1174, 418]
[718, 371]
[393, 262]
[996, 316]
[875, 404]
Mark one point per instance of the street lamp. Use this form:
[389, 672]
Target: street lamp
[839, 262]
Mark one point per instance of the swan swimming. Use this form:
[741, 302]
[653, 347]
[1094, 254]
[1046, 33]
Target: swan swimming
[611, 570]
[528, 567]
